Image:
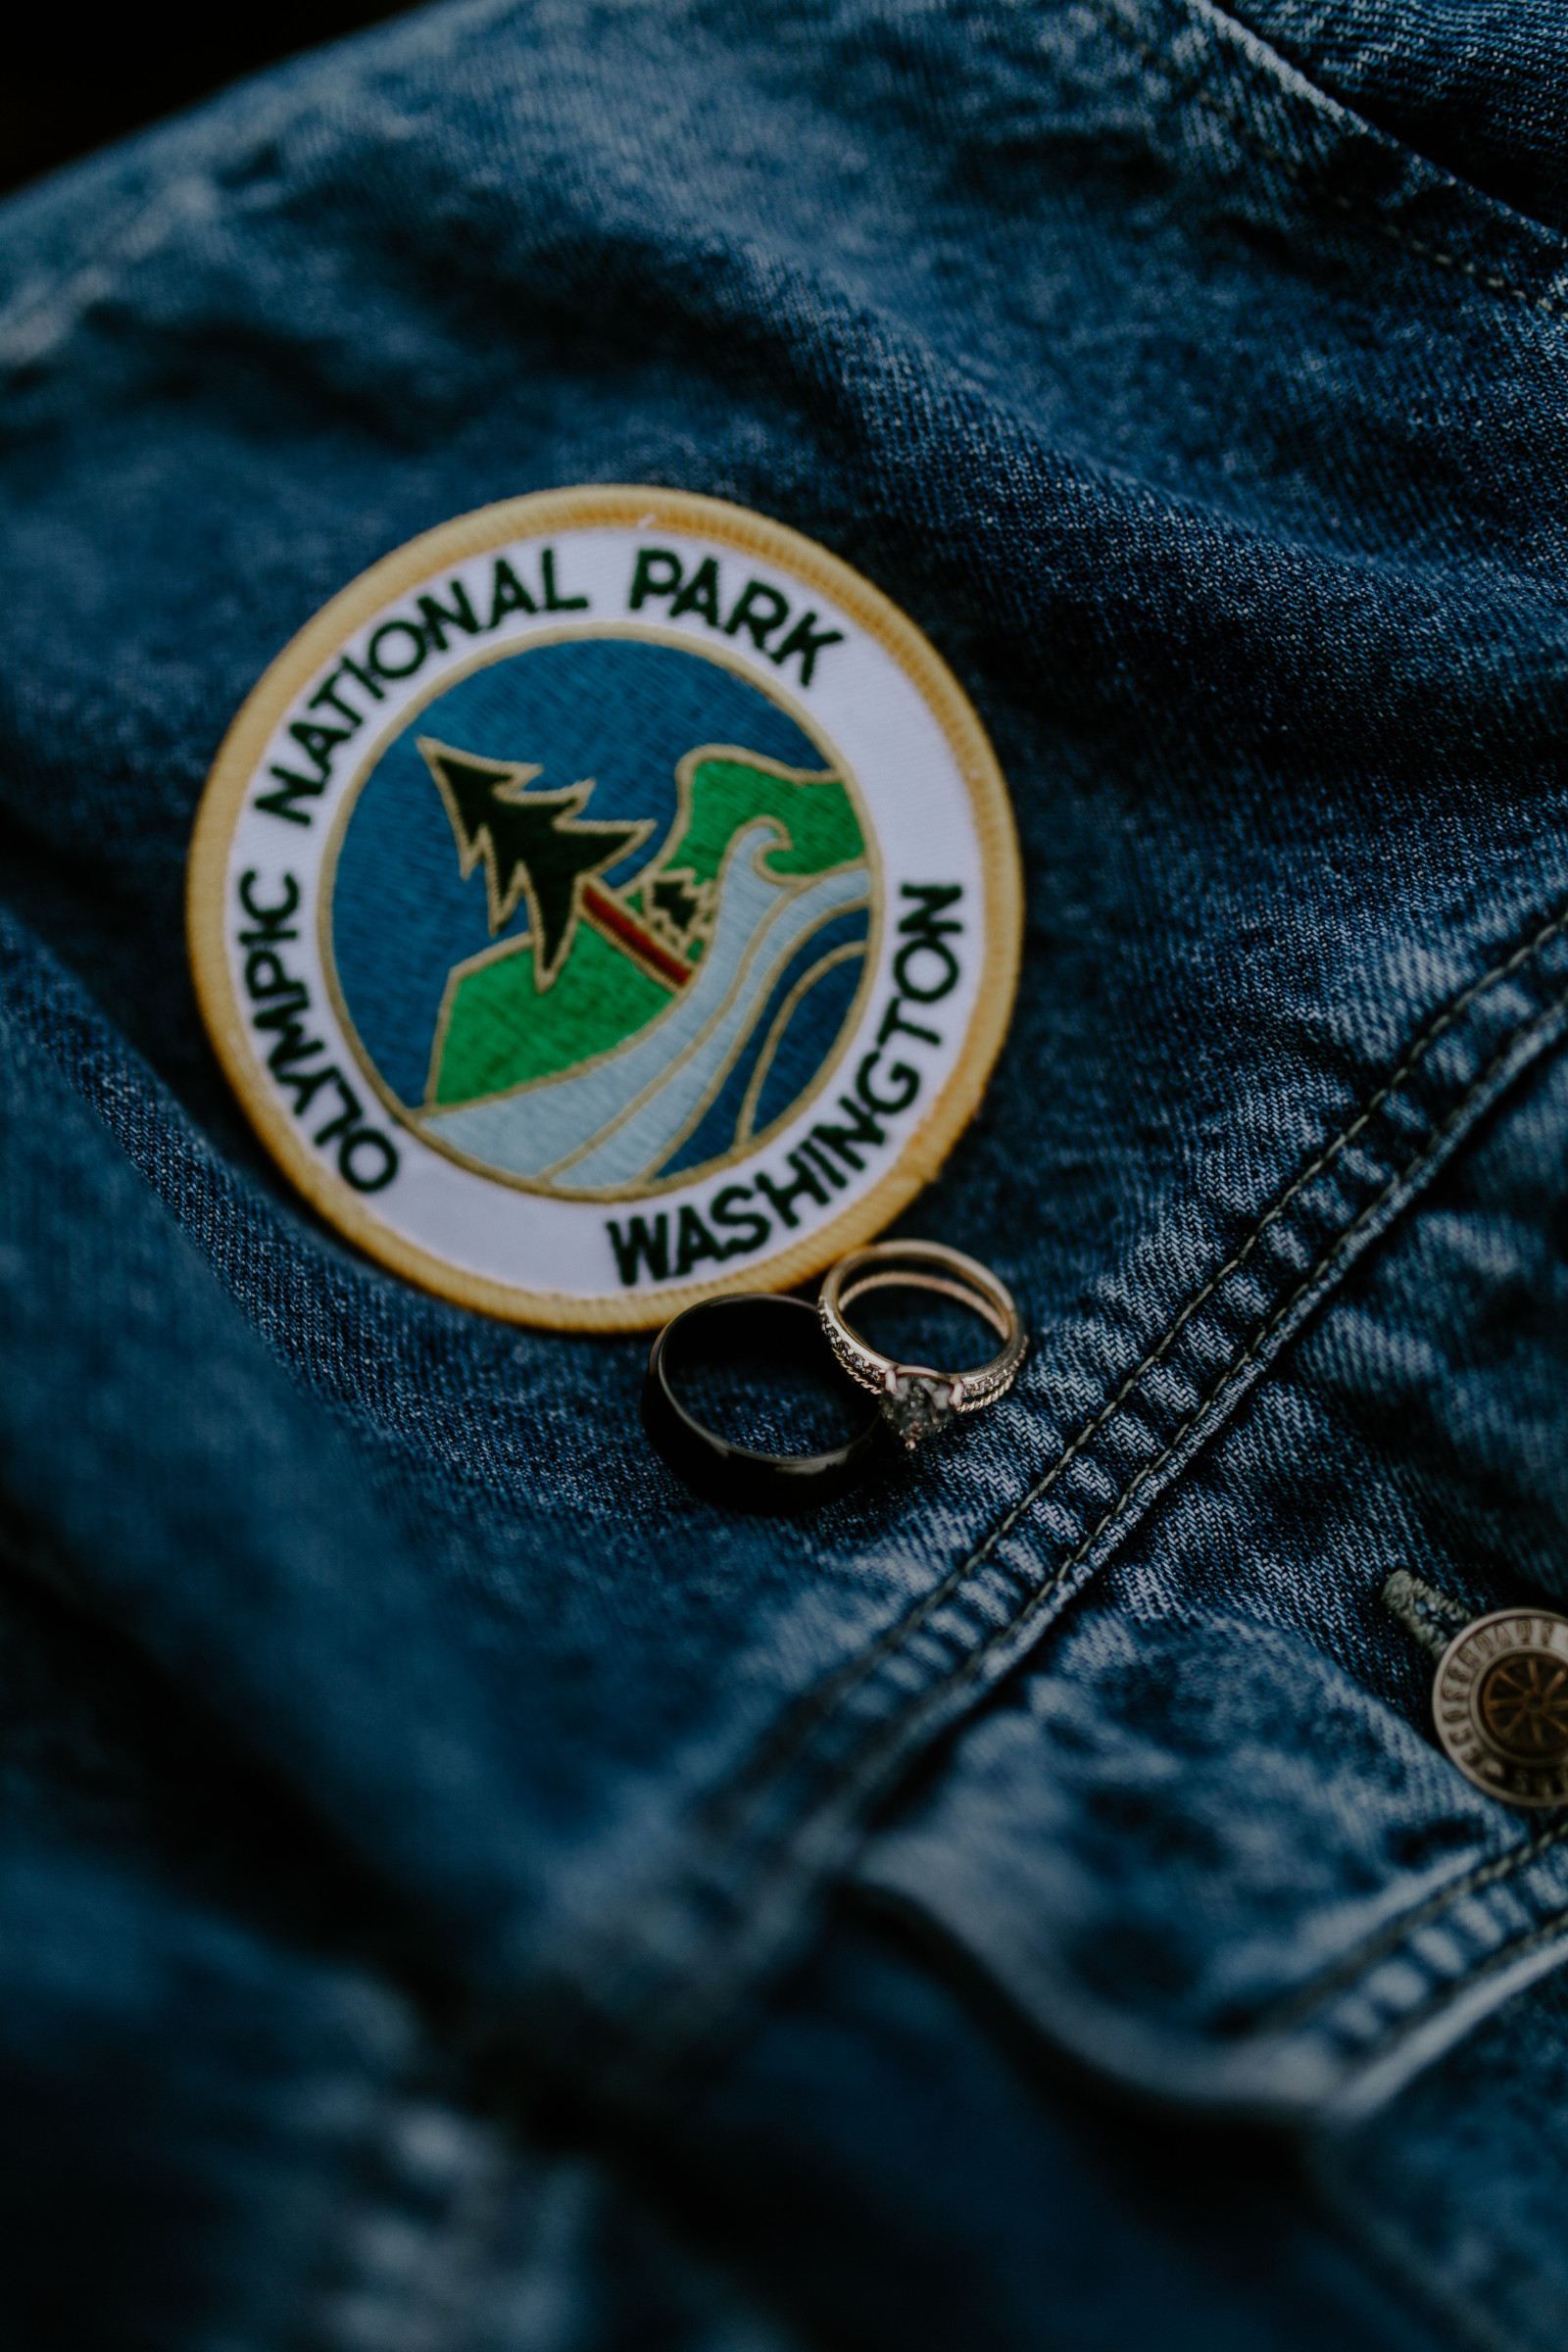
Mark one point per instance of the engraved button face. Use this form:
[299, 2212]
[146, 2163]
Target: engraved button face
[1500, 1700]
[1523, 1706]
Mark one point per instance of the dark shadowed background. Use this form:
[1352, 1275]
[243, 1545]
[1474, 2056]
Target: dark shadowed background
[74, 84]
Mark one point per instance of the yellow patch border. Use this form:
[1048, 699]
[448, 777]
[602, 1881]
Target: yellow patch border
[606, 506]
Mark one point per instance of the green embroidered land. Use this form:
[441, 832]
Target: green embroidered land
[502, 1031]
[726, 793]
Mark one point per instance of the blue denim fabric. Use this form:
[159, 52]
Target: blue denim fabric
[407, 1762]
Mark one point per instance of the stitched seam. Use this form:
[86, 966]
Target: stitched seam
[1300, 2005]
[1193, 88]
[975, 1658]
[1403, 2027]
[1408, 2270]
[887, 1644]
[785, 1854]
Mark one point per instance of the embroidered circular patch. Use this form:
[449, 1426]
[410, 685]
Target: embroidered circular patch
[608, 900]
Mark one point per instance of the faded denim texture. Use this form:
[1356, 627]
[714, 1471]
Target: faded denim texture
[460, 1890]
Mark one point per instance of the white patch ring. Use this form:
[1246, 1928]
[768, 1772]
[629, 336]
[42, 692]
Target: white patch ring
[963, 791]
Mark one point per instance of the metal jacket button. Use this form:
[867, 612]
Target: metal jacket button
[1499, 1697]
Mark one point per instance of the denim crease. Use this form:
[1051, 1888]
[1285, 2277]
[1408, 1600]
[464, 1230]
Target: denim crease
[1200, 399]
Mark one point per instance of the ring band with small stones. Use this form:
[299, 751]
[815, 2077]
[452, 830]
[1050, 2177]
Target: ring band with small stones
[916, 1400]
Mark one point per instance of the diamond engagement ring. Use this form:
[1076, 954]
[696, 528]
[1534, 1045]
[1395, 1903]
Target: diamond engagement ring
[917, 1400]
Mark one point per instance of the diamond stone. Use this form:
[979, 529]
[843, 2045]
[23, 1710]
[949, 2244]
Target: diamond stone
[917, 1405]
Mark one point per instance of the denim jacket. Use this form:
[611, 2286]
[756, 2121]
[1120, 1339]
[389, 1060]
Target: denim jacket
[462, 1892]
